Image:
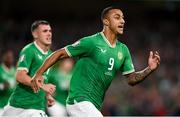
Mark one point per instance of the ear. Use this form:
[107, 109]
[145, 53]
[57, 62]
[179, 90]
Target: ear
[105, 22]
[34, 33]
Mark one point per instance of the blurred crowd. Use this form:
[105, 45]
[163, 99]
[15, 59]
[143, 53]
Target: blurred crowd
[157, 95]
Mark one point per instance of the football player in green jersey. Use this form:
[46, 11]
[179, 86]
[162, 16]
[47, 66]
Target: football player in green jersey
[60, 76]
[7, 78]
[23, 101]
[101, 56]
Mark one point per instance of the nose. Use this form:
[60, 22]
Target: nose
[49, 33]
[122, 21]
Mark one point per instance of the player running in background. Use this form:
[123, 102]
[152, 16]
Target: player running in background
[23, 101]
[7, 78]
[60, 76]
[101, 56]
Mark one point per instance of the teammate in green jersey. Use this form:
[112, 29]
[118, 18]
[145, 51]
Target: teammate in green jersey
[101, 56]
[23, 101]
[60, 76]
[7, 78]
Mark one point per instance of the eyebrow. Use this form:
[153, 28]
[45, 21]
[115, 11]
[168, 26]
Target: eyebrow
[45, 30]
[119, 15]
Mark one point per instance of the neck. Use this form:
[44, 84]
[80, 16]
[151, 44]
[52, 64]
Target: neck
[111, 36]
[43, 46]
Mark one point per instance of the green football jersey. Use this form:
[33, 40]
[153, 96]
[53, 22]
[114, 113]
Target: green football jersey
[98, 64]
[31, 58]
[62, 81]
[6, 75]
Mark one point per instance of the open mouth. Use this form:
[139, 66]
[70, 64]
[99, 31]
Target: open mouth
[120, 26]
[48, 39]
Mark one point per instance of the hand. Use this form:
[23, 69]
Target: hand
[154, 60]
[37, 83]
[49, 88]
[50, 100]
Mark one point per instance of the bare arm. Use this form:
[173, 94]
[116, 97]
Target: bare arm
[137, 77]
[49, 88]
[22, 77]
[61, 53]
[37, 81]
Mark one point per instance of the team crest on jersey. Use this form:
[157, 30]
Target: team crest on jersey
[76, 43]
[120, 55]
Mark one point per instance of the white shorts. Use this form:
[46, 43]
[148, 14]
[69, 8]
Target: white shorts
[57, 110]
[10, 111]
[83, 109]
[1, 110]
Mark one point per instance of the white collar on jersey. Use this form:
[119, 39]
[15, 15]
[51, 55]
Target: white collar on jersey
[106, 40]
[40, 48]
[6, 68]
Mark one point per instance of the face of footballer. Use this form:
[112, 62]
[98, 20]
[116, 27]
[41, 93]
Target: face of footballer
[43, 34]
[66, 65]
[9, 58]
[115, 21]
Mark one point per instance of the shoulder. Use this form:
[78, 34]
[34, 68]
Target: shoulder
[91, 37]
[90, 40]
[28, 48]
[122, 45]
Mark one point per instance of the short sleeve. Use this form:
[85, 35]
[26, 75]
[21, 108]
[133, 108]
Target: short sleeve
[81, 47]
[25, 59]
[127, 66]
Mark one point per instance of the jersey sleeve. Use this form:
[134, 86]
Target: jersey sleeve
[127, 66]
[81, 47]
[25, 59]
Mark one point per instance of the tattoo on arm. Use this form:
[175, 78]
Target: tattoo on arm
[138, 77]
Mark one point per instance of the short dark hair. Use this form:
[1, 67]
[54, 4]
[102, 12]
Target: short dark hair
[106, 10]
[36, 23]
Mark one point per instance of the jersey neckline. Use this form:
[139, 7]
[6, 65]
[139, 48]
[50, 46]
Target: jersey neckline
[106, 40]
[5, 68]
[40, 48]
